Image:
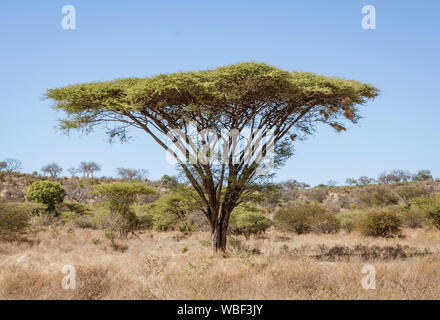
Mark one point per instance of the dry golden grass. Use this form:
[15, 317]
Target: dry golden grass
[172, 266]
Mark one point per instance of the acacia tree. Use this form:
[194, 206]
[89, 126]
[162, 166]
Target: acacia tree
[88, 168]
[252, 97]
[52, 169]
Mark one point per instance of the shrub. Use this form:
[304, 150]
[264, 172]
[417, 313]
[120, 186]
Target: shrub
[46, 192]
[411, 191]
[306, 217]
[68, 216]
[325, 222]
[247, 220]
[171, 212]
[13, 220]
[72, 206]
[121, 196]
[378, 195]
[348, 220]
[412, 218]
[429, 208]
[318, 194]
[30, 208]
[380, 223]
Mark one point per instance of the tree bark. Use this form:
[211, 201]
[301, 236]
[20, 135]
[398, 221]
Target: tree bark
[219, 238]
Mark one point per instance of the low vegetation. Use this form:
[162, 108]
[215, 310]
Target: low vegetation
[283, 234]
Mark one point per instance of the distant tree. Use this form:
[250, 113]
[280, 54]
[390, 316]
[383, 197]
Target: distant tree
[395, 176]
[52, 169]
[46, 192]
[12, 165]
[332, 183]
[293, 184]
[351, 181]
[364, 181]
[88, 168]
[423, 175]
[73, 171]
[3, 165]
[168, 181]
[132, 174]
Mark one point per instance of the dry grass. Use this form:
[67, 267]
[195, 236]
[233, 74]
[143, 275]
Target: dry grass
[172, 266]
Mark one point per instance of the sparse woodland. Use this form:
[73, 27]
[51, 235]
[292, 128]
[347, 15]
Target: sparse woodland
[293, 241]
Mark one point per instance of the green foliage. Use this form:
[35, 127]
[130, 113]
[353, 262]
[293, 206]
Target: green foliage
[348, 220]
[46, 192]
[68, 216]
[121, 196]
[76, 207]
[306, 217]
[111, 236]
[378, 195]
[170, 212]
[429, 208]
[168, 181]
[14, 219]
[248, 220]
[30, 208]
[380, 223]
[95, 241]
[220, 88]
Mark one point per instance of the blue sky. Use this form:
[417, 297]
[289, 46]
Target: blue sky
[142, 38]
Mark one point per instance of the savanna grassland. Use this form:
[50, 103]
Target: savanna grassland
[171, 265]
[290, 242]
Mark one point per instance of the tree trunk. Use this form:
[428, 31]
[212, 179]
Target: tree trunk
[219, 239]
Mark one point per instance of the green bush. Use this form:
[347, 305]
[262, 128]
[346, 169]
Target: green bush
[72, 206]
[377, 196]
[248, 220]
[121, 196]
[429, 208]
[412, 218]
[306, 217]
[348, 220]
[46, 192]
[325, 222]
[380, 223]
[30, 208]
[13, 219]
[68, 216]
[170, 212]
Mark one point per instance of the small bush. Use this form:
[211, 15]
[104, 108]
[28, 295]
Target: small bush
[247, 220]
[306, 217]
[348, 220]
[380, 223]
[378, 196]
[46, 192]
[68, 216]
[13, 220]
[318, 194]
[72, 206]
[171, 212]
[325, 222]
[121, 196]
[412, 218]
[411, 191]
[429, 207]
